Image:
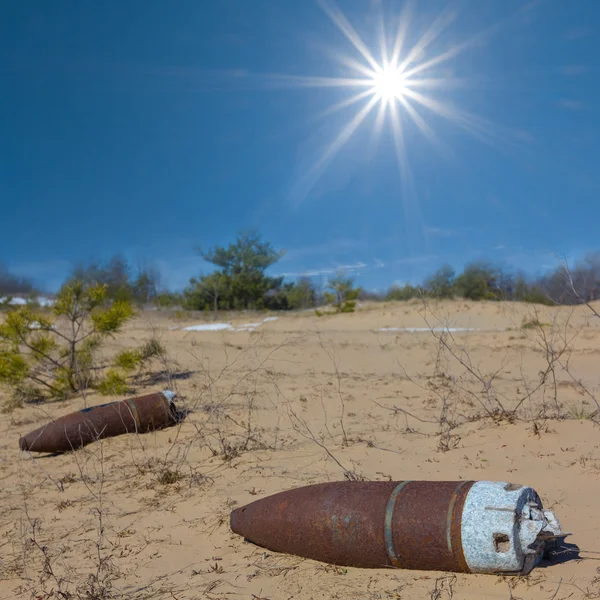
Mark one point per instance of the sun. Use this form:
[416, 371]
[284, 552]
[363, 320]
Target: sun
[388, 84]
[396, 81]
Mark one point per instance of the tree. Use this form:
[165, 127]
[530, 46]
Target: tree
[116, 274]
[208, 292]
[478, 281]
[116, 277]
[12, 284]
[302, 294]
[240, 281]
[406, 292]
[343, 294]
[145, 286]
[574, 285]
[55, 356]
[441, 283]
[248, 254]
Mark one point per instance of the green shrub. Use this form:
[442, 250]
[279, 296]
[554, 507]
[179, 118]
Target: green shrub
[54, 356]
[343, 294]
[301, 295]
[407, 292]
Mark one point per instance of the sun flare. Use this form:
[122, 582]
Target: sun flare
[397, 82]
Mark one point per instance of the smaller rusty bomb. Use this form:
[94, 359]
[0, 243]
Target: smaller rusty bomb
[134, 415]
[460, 526]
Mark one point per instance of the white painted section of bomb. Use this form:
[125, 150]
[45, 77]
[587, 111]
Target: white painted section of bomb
[505, 529]
[169, 395]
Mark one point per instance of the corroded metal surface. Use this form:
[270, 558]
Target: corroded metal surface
[75, 430]
[426, 525]
[410, 524]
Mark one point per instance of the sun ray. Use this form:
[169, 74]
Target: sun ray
[428, 37]
[346, 134]
[437, 83]
[313, 174]
[425, 128]
[408, 195]
[474, 40]
[344, 104]
[437, 60]
[399, 144]
[405, 17]
[383, 40]
[310, 81]
[379, 121]
[339, 19]
[474, 125]
[443, 110]
[354, 65]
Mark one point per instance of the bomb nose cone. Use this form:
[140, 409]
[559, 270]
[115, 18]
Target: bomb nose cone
[236, 521]
[23, 444]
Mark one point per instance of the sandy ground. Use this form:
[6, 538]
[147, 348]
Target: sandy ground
[304, 400]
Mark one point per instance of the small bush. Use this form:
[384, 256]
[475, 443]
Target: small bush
[343, 294]
[533, 324]
[54, 356]
[113, 383]
[407, 292]
[301, 295]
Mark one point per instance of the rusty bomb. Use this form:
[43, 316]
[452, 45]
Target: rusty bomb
[459, 526]
[75, 430]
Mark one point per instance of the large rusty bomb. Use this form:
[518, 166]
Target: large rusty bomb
[461, 526]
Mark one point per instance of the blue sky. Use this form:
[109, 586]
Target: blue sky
[151, 127]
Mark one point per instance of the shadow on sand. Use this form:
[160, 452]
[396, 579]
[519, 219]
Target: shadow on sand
[563, 552]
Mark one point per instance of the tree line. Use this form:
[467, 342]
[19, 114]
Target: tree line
[12, 285]
[240, 281]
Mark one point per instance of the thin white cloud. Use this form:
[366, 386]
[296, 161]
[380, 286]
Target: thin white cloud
[415, 260]
[524, 136]
[573, 70]
[352, 267]
[439, 231]
[325, 248]
[311, 273]
[348, 268]
[576, 33]
[571, 104]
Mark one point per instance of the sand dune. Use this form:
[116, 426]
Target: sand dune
[146, 516]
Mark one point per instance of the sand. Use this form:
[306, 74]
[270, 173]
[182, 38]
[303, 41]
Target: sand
[301, 400]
